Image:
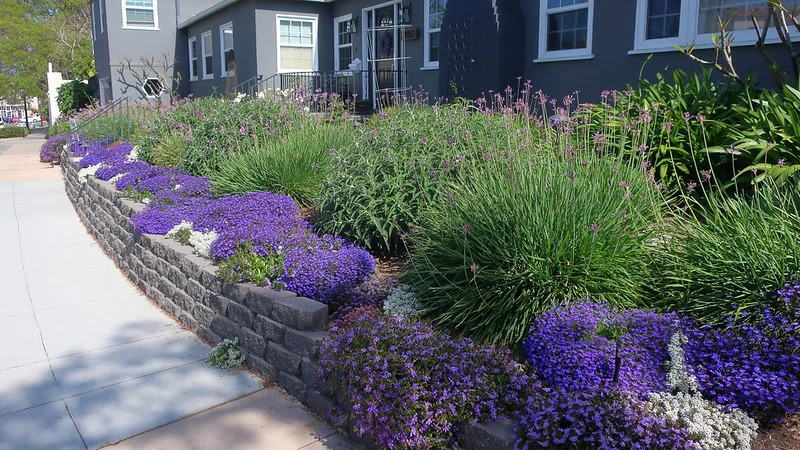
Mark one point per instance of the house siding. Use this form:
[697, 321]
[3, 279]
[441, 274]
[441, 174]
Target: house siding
[612, 67]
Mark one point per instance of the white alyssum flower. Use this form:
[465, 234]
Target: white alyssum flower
[707, 423]
[134, 154]
[201, 241]
[146, 200]
[239, 97]
[86, 172]
[678, 377]
[184, 225]
[401, 302]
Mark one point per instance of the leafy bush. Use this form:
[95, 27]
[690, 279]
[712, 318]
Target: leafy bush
[12, 132]
[410, 386]
[73, 96]
[379, 187]
[551, 226]
[295, 166]
[52, 148]
[226, 354]
[567, 348]
[730, 257]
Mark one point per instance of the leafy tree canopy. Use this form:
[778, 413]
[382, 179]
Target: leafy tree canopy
[35, 32]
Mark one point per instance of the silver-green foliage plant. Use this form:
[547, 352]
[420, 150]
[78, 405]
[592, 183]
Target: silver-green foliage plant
[730, 253]
[712, 426]
[401, 301]
[296, 166]
[226, 354]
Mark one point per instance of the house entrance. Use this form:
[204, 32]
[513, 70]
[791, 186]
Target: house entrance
[384, 54]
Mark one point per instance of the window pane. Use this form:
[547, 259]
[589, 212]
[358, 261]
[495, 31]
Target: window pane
[436, 6]
[560, 3]
[297, 58]
[736, 13]
[345, 57]
[209, 68]
[140, 17]
[663, 18]
[567, 30]
[194, 68]
[139, 3]
[207, 49]
[227, 39]
[296, 32]
[434, 48]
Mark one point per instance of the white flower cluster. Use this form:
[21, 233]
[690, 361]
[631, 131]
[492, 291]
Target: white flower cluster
[115, 178]
[200, 241]
[86, 172]
[678, 377]
[226, 354]
[708, 424]
[239, 97]
[134, 154]
[401, 302]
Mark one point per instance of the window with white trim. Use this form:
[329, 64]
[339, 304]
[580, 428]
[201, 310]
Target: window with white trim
[94, 24]
[296, 44]
[434, 13]
[102, 15]
[193, 59]
[342, 42]
[565, 29]
[226, 48]
[662, 24]
[141, 14]
[207, 49]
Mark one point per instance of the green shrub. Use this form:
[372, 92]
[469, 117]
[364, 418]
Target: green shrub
[731, 256]
[295, 166]
[226, 354]
[12, 131]
[73, 95]
[521, 237]
[380, 185]
[60, 127]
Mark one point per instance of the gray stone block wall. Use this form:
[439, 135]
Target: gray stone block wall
[280, 332]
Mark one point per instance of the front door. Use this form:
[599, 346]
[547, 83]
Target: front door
[380, 38]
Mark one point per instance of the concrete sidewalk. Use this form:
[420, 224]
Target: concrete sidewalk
[86, 360]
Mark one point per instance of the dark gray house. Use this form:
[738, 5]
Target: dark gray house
[373, 49]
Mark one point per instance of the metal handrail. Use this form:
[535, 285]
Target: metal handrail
[112, 122]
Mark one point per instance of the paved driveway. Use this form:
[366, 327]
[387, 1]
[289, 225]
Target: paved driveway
[85, 358]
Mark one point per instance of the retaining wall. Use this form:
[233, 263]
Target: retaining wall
[280, 332]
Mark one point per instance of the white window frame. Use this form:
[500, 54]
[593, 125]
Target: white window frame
[690, 14]
[203, 54]
[94, 24]
[314, 41]
[223, 69]
[427, 63]
[193, 45]
[336, 45]
[564, 55]
[102, 15]
[135, 27]
[159, 82]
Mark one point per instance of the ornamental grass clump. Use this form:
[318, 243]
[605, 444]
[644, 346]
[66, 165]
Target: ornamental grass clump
[295, 166]
[532, 230]
[410, 386]
[728, 255]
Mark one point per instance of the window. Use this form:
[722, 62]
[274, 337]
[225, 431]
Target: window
[296, 44]
[342, 42]
[94, 24]
[662, 24]
[434, 13]
[206, 47]
[226, 48]
[102, 15]
[565, 29]
[142, 14]
[152, 87]
[193, 60]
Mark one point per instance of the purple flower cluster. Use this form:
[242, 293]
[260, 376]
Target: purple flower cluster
[754, 367]
[410, 386]
[52, 147]
[98, 153]
[605, 419]
[568, 352]
[369, 294]
[162, 180]
[106, 173]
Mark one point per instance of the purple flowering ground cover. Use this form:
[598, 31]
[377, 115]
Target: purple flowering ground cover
[324, 268]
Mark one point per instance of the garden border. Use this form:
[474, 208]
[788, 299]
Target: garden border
[280, 332]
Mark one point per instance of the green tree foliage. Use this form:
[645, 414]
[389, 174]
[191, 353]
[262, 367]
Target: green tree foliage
[74, 95]
[35, 32]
